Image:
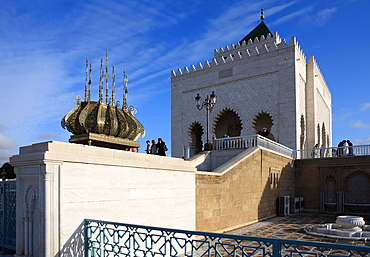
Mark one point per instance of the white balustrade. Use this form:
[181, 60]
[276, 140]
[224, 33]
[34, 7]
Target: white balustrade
[244, 142]
[249, 141]
[331, 152]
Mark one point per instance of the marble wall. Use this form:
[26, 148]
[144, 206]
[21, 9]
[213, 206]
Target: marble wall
[61, 184]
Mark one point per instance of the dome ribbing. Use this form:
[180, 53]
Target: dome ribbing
[103, 124]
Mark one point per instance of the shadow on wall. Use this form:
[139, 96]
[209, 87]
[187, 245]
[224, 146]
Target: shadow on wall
[74, 247]
[279, 182]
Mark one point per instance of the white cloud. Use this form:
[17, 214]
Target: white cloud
[343, 115]
[276, 9]
[323, 16]
[5, 154]
[7, 143]
[362, 141]
[48, 136]
[293, 15]
[360, 125]
[365, 106]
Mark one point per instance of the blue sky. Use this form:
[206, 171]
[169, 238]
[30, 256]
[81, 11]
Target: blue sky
[43, 46]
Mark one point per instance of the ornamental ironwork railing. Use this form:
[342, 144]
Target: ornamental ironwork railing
[104, 238]
[249, 141]
[7, 214]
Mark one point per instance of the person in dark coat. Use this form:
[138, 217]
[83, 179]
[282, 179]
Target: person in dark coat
[208, 146]
[161, 147]
[350, 148]
[264, 132]
[153, 148]
[147, 150]
[340, 148]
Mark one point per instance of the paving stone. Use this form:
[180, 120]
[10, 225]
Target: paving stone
[291, 227]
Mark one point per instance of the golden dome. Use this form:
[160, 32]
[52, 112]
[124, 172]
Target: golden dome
[103, 124]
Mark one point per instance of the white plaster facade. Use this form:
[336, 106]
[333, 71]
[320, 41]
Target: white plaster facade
[267, 76]
[61, 184]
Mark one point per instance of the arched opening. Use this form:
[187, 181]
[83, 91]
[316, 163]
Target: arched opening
[263, 120]
[330, 195]
[228, 123]
[196, 132]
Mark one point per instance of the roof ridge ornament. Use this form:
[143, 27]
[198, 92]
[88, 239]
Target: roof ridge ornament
[262, 14]
[257, 32]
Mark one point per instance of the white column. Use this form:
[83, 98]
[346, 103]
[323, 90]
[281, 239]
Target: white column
[37, 208]
[50, 203]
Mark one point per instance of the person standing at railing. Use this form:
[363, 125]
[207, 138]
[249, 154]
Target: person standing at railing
[208, 146]
[315, 151]
[224, 143]
[161, 147]
[153, 148]
[147, 150]
[340, 148]
[350, 148]
[264, 132]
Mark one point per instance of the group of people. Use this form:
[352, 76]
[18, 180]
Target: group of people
[345, 147]
[158, 148]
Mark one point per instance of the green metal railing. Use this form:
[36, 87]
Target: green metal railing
[104, 238]
[7, 214]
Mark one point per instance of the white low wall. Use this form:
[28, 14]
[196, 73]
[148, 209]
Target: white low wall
[61, 184]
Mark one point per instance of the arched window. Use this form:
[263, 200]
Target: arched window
[195, 134]
[228, 123]
[263, 120]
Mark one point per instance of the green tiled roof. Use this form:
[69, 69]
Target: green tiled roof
[258, 31]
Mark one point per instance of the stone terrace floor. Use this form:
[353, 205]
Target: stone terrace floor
[291, 227]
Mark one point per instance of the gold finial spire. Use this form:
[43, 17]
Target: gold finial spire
[125, 89]
[262, 15]
[106, 76]
[113, 83]
[87, 78]
[101, 82]
[89, 84]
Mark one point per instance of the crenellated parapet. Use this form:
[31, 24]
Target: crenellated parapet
[317, 72]
[312, 61]
[299, 52]
[243, 50]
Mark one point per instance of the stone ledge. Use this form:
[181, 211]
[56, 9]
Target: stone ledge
[77, 153]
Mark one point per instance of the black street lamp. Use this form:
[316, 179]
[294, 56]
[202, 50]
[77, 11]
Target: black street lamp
[209, 103]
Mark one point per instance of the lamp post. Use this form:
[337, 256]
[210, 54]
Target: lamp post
[208, 103]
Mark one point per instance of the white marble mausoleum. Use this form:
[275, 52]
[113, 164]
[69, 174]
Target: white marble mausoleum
[261, 81]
